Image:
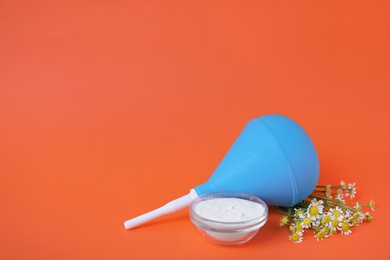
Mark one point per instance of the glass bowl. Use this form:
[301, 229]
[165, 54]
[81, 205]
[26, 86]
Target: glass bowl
[230, 222]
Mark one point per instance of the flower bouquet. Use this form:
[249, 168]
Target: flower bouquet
[326, 212]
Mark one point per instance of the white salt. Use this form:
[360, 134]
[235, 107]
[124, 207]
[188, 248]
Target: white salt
[229, 209]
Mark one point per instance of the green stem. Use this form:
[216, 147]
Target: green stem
[321, 198]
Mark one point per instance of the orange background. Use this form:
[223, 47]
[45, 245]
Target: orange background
[110, 109]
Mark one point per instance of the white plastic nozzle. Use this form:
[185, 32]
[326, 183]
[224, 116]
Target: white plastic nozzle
[170, 207]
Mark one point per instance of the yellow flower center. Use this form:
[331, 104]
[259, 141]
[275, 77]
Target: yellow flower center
[320, 235]
[371, 204]
[295, 237]
[335, 222]
[328, 192]
[326, 219]
[299, 212]
[313, 211]
[317, 229]
[284, 220]
[306, 221]
[326, 230]
[345, 227]
[336, 213]
[298, 227]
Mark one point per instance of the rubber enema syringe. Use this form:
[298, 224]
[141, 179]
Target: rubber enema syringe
[273, 158]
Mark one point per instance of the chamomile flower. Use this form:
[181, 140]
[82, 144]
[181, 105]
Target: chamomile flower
[317, 229]
[357, 218]
[371, 204]
[283, 221]
[299, 213]
[326, 231]
[351, 191]
[335, 224]
[298, 227]
[368, 217]
[315, 209]
[336, 212]
[328, 191]
[306, 222]
[320, 235]
[340, 198]
[326, 218]
[347, 214]
[345, 230]
[358, 207]
[340, 193]
[332, 229]
[296, 237]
